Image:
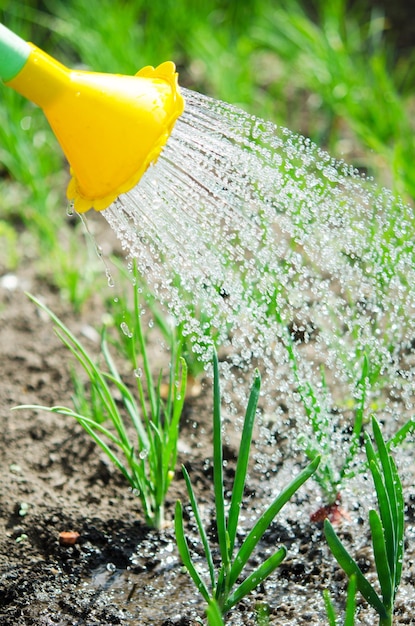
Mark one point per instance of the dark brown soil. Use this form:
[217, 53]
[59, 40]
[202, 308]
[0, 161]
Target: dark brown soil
[53, 479]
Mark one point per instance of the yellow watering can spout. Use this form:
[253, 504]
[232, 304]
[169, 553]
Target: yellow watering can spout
[111, 127]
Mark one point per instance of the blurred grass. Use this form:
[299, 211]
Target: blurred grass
[320, 68]
[356, 77]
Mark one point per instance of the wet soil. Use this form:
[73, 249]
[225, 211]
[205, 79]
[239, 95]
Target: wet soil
[118, 571]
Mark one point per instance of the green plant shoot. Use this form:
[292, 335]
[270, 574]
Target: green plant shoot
[350, 611]
[387, 529]
[332, 472]
[147, 460]
[225, 587]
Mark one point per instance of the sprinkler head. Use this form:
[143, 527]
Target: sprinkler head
[110, 127]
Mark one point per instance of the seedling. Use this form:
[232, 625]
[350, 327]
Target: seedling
[214, 614]
[387, 529]
[350, 611]
[334, 471]
[222, 594]
[329, 477]
[173, 330]
[148, 459]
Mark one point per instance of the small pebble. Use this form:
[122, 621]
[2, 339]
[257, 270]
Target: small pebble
[68, 538]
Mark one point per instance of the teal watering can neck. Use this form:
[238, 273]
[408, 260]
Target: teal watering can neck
[14, 53]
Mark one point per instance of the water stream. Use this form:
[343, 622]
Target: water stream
[260, 242]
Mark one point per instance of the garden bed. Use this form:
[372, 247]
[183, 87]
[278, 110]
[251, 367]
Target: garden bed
[54, 480]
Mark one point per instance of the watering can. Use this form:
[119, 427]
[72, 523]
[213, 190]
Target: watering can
[110, 127]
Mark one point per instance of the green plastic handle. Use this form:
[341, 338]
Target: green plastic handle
[14, 53]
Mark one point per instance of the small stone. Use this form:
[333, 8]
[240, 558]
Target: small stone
[68, 538]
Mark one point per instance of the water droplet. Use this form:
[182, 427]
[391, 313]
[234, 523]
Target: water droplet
[125, 329]
[110, 279]
[257, 241]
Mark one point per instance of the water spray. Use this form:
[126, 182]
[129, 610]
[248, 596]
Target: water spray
[253, 238]
[111, 127]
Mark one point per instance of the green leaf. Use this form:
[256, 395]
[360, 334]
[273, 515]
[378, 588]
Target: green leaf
[170, 445]
[358, 421]
[200, 527]
[400, 525]
[350, 602]
[218, 466]
[96, 377]
[329, 606]
[155, 431]
[184, 551]
[401, 434]
[242, 463]
[381, 558]
[90, 426]
[349, 565]
[384, 505]
[131, 406]
[142, 345]
[265, 520]
[385, 460]
[213, 613]
[390, 499]
[256, 578]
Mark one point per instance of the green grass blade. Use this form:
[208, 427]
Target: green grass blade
[90, 426]
[137, 478]
[60, 325]
[256, 578]
[400, 526]
[75, 347]
[351, 602]
[242, 463]
[95, 376]
[329, 606]
[214, 614]
[131, 407]
[63, 410]
[155, 462]
[385, 460]
[381, 558]
[128, 399]
[184, 552]
[170, 445]
[358, 421]
[393, 488]
[142, 345]
[349, 565]
[218, 466]
[176, 378]
[89, 406]
[200, 527]
[401, 434]
[255, 535]
[350, 605]
[385, 509]
[386, 489]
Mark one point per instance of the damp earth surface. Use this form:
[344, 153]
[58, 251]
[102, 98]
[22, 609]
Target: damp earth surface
[74, 548]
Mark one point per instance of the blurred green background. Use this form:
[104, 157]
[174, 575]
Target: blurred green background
[341, 73]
